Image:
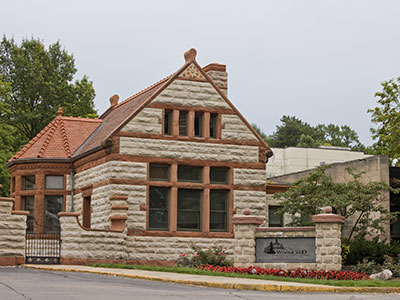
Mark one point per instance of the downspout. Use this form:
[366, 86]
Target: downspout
[72, 188]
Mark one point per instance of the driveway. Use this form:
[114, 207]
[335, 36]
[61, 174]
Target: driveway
[22, 284]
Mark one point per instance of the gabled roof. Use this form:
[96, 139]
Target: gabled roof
[67, 137]
[119, 115]
[59, 139]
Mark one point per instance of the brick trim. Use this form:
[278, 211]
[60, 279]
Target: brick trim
[327, 218]
[248, 220]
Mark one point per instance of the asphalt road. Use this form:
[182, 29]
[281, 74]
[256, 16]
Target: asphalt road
[23, 284]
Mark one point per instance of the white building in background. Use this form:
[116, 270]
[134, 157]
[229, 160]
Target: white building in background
[294, 159]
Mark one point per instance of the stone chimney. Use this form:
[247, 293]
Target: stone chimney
[218, 74]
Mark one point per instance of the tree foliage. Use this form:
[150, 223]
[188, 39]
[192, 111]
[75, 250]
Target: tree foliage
[34, 83]
[387, 118]
[41, 81]
[309, 194]
[293, 132]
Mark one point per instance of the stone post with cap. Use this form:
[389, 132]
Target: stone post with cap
[328, 227]
[244, 227]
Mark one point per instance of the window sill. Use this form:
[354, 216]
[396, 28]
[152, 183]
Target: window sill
[180, 234]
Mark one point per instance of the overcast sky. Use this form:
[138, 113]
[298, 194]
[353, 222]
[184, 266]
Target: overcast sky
[321, 61]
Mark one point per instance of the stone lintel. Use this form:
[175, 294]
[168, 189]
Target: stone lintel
[20, 212]
[285, 229]
[7, 199]
[68, 214]
[118, 197]
[328, 218]
[248, 220]
[119, 207]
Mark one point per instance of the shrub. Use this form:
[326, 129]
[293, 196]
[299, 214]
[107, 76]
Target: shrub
[368, 267]
[355, 251]
[215, 256]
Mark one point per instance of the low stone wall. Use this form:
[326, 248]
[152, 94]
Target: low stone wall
[82, 246]
[12, 233]
[327, 234]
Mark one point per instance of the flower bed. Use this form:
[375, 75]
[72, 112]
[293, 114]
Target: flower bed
[299, 273]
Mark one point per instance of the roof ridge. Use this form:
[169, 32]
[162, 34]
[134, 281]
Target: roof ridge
[32, 141]
[65, 138]
[82, 119]
[144, 90]
[48, 138]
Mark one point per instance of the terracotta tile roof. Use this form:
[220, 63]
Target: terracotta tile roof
[115, 116]
[59, 139]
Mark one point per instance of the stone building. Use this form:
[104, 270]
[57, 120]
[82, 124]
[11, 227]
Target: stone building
[168, 166]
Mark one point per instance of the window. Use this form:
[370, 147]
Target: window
[158, 208]
[274, 220]
[159, 172]
[53, 205]
[168, 122]
[86, 212]
[29, 182]
[12, 184]
[29, 206]
[189, 212]
[213, 126]
[183, 123]
[190, 174]
[218, 210]
[219, 175]
[198, 123]
[54, 182]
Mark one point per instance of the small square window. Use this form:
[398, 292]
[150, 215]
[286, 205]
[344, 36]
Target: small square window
[183, 123]
[190, 174]
[168, 122]
[54, 182]
[198, 123]
[159, 172]
[213, 126]
[29, 182]
[219, 175]
[274, 220]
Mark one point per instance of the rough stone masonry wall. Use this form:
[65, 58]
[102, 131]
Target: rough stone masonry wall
[192, 94]
[188, 150]
[169, 248]
[254, 200]
[147, 121]
[12, 233]
[79, 243]
[235, 129]
[100, 198]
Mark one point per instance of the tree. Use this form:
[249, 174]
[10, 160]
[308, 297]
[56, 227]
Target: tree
[41, 81]
[309, 194]
[260, 132]
[387, 117]
[289, 133]
[34, 83]
[295, 133]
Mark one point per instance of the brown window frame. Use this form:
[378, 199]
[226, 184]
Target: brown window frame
[155, 209]
[24, 182]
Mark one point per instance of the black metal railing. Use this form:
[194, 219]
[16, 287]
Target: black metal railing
[42, 244]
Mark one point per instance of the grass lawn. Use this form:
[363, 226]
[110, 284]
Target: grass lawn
[351, 283]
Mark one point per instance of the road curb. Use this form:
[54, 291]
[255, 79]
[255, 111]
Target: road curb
[251, 287]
